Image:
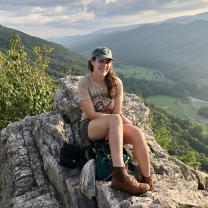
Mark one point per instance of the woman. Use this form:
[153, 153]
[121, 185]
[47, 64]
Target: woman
[101, 94]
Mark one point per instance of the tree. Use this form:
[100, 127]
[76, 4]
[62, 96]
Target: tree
[163, 138]
[176, 127]
[204, 161]
[190, 159]
[198, 131]
[25, 88]
[203, 110]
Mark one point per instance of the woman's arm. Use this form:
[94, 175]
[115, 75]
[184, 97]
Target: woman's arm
[118, 110]
[89, 110]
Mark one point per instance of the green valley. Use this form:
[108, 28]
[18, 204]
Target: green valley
[186, 109]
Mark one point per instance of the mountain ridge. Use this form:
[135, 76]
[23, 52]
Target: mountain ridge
[180, 20]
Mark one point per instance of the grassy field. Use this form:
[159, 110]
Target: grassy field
[198, 103]
[190, 109]
[138, 72]
[167, 103]
[184, 110]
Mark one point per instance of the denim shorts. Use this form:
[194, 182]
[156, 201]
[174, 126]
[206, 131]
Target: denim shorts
[84, 129]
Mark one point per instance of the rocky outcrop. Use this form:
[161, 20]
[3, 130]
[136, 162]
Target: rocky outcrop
[31, 176]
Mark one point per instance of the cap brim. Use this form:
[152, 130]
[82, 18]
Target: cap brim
[101, 57]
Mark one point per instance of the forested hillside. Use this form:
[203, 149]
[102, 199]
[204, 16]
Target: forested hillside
[62, 59]
[180, 137]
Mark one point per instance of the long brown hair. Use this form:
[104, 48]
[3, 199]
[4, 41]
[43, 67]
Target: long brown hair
[110, 79]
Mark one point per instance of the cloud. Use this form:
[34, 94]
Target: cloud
[34, 3]
[132, 7]
[68, 17]
[36, 15]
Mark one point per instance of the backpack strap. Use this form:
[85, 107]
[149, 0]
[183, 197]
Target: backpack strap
[87, 153]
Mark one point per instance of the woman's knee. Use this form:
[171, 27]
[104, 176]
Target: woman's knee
[115, 119]
[135, 136]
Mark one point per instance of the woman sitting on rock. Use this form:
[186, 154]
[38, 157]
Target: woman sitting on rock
[101, 94]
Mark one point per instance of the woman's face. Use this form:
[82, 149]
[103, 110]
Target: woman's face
[101, 67]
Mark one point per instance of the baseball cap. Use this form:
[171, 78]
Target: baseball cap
[102, 53]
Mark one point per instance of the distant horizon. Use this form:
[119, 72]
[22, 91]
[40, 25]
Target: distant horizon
[47, 38]
[47, 19]
[130, 25]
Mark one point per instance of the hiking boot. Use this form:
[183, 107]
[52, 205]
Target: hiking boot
[123, 181]
[148, 180]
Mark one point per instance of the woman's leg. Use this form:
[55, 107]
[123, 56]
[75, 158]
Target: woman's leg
[113, 126]
[133, 135]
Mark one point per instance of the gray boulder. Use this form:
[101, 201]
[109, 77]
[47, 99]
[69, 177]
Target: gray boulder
[31, 176]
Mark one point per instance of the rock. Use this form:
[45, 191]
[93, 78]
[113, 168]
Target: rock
[31, 176]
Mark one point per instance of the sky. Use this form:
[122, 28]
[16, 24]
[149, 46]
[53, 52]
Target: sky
[59, 18]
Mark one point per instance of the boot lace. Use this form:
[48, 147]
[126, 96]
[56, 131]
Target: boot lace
[130, 178]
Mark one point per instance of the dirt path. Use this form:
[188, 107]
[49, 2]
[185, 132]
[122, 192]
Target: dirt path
[194, 100]
[201, 119]
[184, 111]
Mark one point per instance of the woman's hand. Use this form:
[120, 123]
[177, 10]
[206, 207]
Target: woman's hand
[125, 120]
[118, 110]
[107, 137]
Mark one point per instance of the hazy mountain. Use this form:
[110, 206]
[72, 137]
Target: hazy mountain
[180, 20]
[62, 59]
[188, 19]
[74, 41]
[117, 29]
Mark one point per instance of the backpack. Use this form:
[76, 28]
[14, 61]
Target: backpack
[100, 152]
